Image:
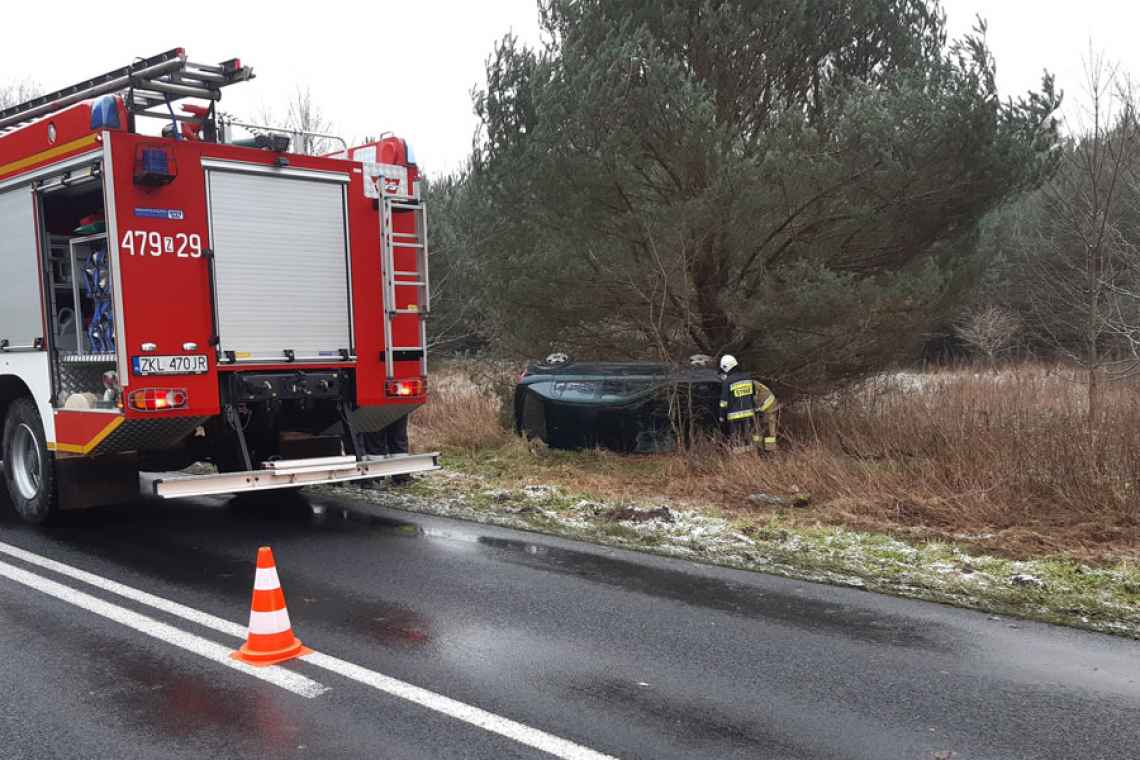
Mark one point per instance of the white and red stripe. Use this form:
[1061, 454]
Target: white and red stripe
[270, 637]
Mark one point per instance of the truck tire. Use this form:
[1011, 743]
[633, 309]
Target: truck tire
[29, 467]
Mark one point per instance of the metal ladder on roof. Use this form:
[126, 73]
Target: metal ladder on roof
[149, 83]
[399, 284]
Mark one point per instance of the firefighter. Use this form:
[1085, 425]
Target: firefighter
[737, 404]
[766, 409]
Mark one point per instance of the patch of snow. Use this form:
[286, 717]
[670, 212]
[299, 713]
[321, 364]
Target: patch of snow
[767, 498]
[1025, 579]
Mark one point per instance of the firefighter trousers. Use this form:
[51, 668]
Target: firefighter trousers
[742, 432]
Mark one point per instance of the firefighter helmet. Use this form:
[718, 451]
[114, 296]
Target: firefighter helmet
[727, 363]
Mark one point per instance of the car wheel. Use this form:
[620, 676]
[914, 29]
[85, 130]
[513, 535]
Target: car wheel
[558, 359]
[29, 467]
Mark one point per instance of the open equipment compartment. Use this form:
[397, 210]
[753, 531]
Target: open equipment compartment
[80, 319]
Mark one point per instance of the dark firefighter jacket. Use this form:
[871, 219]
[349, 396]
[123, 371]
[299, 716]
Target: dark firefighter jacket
[737, 397]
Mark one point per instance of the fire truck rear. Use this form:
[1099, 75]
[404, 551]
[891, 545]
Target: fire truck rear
[195, 297]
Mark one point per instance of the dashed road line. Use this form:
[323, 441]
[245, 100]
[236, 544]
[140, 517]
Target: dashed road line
[519, 732]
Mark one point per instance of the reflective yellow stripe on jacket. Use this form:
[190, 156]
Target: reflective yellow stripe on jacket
[733, 416]
[741, 389]
[769, 398]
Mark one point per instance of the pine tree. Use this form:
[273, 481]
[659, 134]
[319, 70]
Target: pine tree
[796, 181]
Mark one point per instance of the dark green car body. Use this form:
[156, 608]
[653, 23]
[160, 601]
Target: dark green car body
[626, 406]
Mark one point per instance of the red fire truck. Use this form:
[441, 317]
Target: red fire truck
[191, 297]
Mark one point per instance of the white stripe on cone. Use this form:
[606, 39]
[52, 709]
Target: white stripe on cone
[263, 623]
[265, 579]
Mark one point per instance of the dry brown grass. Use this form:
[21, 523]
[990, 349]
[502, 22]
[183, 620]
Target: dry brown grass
[465, 410]
[1007, 461]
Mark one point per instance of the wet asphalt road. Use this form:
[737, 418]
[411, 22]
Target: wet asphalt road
[627, 655]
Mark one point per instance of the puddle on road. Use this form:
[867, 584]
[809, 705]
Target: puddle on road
[183, 705]
[329, 515]
[717, 594]
[393, 625]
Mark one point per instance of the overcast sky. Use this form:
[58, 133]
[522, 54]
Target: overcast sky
[408, 67]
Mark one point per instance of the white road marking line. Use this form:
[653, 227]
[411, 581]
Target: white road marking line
[532, 737]
[127, 592]
[286, 679]
[523, 734]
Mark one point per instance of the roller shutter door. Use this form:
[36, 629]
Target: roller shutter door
[280, 265]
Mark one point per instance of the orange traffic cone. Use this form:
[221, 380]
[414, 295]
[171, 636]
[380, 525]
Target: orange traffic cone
[270, 638]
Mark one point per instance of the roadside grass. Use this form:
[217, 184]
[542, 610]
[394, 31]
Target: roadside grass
[1006, 461]
[983, 489]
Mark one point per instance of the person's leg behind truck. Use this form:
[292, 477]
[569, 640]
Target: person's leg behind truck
[391, 440]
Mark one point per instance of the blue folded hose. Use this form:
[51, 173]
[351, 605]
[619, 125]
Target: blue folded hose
[97, 286]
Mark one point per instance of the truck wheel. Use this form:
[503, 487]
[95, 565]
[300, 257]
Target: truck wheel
[28, 466]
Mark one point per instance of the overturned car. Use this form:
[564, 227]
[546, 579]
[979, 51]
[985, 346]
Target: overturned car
[624, 406]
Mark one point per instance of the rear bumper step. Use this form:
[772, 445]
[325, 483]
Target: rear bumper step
[292, 473]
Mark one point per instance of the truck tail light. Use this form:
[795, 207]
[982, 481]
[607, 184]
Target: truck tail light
[157, 399]
[154, 165]
[405, 388]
